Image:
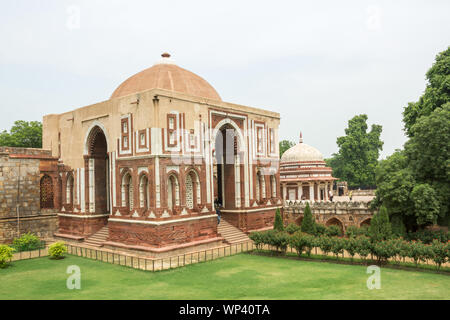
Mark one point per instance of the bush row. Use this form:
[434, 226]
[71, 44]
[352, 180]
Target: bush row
[318, 230]
[383, 251]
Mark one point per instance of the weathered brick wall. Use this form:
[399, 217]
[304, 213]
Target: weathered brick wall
[347, 213]
[44, 226]
[20, 190]
[19, 184]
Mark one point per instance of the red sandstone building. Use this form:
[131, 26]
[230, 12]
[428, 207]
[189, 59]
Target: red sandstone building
[149, 162]
[304, 175]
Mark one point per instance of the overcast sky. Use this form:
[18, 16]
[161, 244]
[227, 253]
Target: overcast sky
[317, 63]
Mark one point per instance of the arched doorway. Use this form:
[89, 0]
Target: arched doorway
[335, 222]
[127, 192]
[70, 190]
[228, 167]
[46, 196]
[193, 197]
[143, 192]
[365, 223]
[98, 169]
[173, 193]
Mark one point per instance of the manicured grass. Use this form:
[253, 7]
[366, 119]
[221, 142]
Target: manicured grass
[242, 276]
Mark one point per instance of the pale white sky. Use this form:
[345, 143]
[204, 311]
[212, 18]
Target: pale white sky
[317, 63]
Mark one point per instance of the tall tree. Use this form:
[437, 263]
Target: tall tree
[415, 182]
[285, 145]
[437, 92]
[308, 222]
[380, 227]
[358, 153]
[278, 223]
[23, 134]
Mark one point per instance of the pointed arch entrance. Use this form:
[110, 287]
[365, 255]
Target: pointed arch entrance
[97, 168]
[229, 157]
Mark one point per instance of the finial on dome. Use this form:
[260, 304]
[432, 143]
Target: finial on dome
[301, 137]
[165, 59]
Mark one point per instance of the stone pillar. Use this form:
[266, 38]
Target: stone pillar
[326, 192]
[299, 191]
[284, 192]
[311, 191]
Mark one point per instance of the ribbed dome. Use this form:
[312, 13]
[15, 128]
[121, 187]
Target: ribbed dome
[166, 75]
[301, 152]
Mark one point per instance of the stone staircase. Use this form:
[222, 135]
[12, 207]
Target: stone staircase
[230, 233]
[98, 238]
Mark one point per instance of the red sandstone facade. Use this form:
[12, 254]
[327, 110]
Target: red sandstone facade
[149, 165]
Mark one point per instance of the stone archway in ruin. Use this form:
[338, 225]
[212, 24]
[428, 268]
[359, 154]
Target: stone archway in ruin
[97, 166]
[365, 223]
[298, 221]
[335, 222]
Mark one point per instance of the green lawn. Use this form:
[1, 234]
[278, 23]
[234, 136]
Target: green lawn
[241, 276]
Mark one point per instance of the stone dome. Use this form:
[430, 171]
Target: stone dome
[302, 152]
[165, 74]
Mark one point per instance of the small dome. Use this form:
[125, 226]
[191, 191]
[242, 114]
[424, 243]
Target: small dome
[165, 74]
[301, 152]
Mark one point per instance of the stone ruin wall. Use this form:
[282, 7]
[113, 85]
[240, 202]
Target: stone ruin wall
[20, 187]
[351, 213]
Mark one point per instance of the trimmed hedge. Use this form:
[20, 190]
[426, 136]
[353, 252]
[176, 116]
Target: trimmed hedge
[428, 236]
[382, 250]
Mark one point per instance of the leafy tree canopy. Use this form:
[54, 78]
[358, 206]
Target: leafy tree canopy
[437, 92]
[285, 145]
[358, 153]
[415, 182]
[23, 134]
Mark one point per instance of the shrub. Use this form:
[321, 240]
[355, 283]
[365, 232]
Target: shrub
[278, 223]
[57, 250]
[258, 239]
[311, 242]
[292, 228]
[396, 245]
[333, 231]
[308, 223]
[416, 251]
[337, 246]
[384, 250]
[298, 242]
[280, 240]
[26, 242]
[364, 231]
[403, 251]
[324, 243]
[364, 247]
[320, 229]
[6, 253]
[351, 245]
[352, 232]
[427, 236]
[440, 253]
